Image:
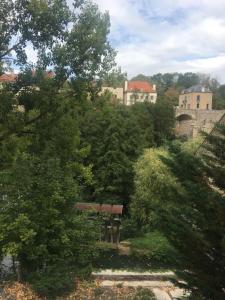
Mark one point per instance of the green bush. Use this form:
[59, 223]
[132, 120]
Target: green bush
[57, 280]
[154, 246]
[143, 294]
[129, 229]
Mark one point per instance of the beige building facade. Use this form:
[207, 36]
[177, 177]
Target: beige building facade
[139, 91]
[196, 97]
[132, 92]
[116, 92]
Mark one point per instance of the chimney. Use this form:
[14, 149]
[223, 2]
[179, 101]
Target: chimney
[154, 87]
[125, 86]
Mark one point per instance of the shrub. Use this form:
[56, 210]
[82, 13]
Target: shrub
[129, 229]
[57, 280]
[143, 294]
[154, 246]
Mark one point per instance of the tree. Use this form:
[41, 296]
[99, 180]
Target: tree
[115, 139]
[153, 180]
[117, 135]
[42, 163]
[41, 182]
[189, 79]
[181, 190]
[115, 78]
[79, 50]
[172, 96]
[214, 156]
[38, 22]
[74, 41]
[164, 121]
[145, 115]
[219, 98]
[86, 52]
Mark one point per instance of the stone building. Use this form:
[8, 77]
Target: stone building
[196, 97]
[190, 122]
[195, 113]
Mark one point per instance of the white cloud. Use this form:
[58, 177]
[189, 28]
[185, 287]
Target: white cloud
[31, 53]
[168, 35]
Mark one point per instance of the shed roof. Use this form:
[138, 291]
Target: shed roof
[107, 208]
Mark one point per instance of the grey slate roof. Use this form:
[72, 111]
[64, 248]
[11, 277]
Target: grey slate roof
[196, 89]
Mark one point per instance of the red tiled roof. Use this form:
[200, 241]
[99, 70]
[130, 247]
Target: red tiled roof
[11, 77]
[142, 86]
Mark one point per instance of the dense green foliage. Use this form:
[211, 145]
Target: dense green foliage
[42, 162]
[115, 78]
[184, 195]
[74, 41]
[156, 248]
[60, 143]
[117, 135]
[40, 183]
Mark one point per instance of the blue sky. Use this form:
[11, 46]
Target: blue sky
[154, 36]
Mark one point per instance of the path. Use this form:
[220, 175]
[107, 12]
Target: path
[158, 282]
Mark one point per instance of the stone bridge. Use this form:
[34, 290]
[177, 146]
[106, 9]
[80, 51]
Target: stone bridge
[189, 122]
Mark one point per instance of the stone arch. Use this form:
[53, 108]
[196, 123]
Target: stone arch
[184, 124]
[184, 117]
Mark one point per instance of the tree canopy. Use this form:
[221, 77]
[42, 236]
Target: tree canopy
[43, 171]
[183, 195]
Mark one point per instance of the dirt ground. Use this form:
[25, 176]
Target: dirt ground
[84, 291]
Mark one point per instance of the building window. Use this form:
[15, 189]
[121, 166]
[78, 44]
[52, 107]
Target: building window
[188, 106]
[152, 97]
[197, 105]
[207, 106]
[198, 97]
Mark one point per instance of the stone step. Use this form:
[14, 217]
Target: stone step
[119, 275]
[137, 283]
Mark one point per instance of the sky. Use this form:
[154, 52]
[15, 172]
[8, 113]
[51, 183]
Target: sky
[159, 36]
[153, 36]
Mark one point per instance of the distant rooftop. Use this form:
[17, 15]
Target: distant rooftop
[196, 89]
[141, 86]
[8, 77]
[12, 77]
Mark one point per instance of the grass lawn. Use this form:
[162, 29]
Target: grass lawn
[155, 246]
